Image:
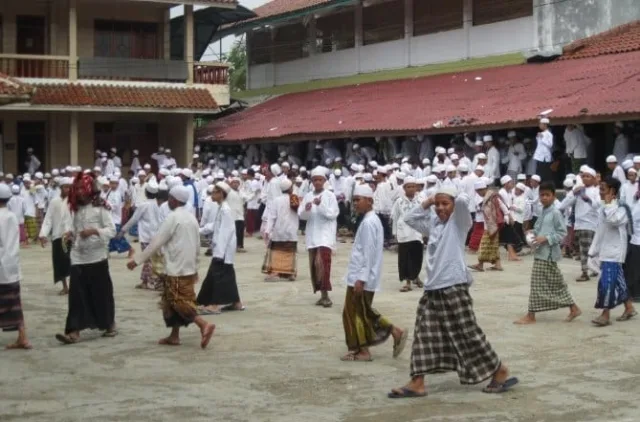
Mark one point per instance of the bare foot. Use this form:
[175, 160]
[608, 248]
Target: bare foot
[169, 341]
[207, 333]
[23, 345]
[525, 320]
[63, 292]
[515, 259]
[573, 315]
[356, 357]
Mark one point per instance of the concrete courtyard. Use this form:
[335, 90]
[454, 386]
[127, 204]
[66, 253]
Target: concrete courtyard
[279, 360]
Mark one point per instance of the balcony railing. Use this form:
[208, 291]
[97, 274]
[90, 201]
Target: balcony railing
[26, 66]
[210, 73]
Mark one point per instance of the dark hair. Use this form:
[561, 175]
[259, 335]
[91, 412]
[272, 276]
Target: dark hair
[150, 195]
[613, 183]
[547, 187]
[4, 201]
[251, 173]
[162, 195]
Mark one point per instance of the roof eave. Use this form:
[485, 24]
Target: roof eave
[224, 5]
[102, 109]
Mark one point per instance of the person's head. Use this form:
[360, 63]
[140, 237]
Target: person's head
[512, 137]
[488, 141]
[535, 181]
[318, 179]
[544, 124]
[507, 183]
[167, 152]
[589, 177]
[83, 190]
[519, 189]
[29, 152]
[480, 187]
[547, 194]
[632, 175]
[235, 183]
[445, 203]
[286, 186]
[178, 196]
[617, 129]
[65, 186]
[410, 187]
[612, 162]
[363, 199]
[609, 189]
[220, 192]
[5, 194]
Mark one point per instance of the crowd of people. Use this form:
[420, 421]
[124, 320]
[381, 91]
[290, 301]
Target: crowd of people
[430, 210]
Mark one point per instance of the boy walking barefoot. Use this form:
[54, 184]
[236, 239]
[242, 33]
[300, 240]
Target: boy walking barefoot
[548, 288]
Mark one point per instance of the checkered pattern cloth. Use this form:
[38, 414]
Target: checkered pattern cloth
[585, 237]
[548, 288]
[448, 338]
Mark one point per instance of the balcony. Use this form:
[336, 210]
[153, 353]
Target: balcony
[26, 66]
[114, 68]
[211, 73]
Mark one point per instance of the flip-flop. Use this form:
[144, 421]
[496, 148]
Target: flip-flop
[601, 322]
[16, 346]
[398, 346]
[475, 268]
[495, 269]
[110, 334]
[208, 312]
[406, 394]
[496, 388]
[352, 357]
[229, 308]
[626, 316]
[165, 342]
[206, 338]
[65, 339]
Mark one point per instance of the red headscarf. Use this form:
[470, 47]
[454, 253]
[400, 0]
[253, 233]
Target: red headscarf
[83, 187]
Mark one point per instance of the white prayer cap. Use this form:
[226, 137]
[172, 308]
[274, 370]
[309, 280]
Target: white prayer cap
[162, 186]
[70, 168]
[87, 171]
[449, 190]
[620, 125]
[66, 181]
[303, 169]
[319, 172]
[337, 172]
[180, 193]
[196, 156]
[487, 138]
[97, 169]
[511, 134]
[400, 176]
[168, 150]
[38, 175]
[220, 175]
[545, 120]
[135, 180]
[463, 168]
[451, 151]
[363, 191]
[626, 164]
[439, 169]
[632, 170]
[538, 178]
[275, 169]
[521, 176]
[368, 177]
[221, 156]
[440, 150]
[454, 157]
[295, 167]
[354, 167]
[451, 168]
[47, 175]
[209, 179]
[426, 161]
[583, 168]
[235, 173]
[103, 155]
[148, 167]
[173, 181]
[164, 172]
[142, 173]
[478, 143]
[432, 178]
[55, 172]
[636, 159]
[283, 153]
[187, 173]
[356, 146]
[405, 160]
[394, 166]
[479, 184]
[160, 148]
[151, 187]
[114, 179]
[285, 185]
[521, 186]
[206, 172]
[568, 183]
[14, 188]
[409, 180]
[571, 176]
[223, 186]
[286, 164]
[113, 150]
[328, 161]
[505, 179]
[9, 176]
[398, 156]
[210, 189]
[358, 176]
[482, 156]
[299, 179]
[612, 159]
[373, 164]
[5, 191]
[383, 170]
[103, 180]
[136, 152]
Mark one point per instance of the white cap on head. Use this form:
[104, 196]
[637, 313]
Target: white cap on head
[568, 183]
[97, 169]
[505, 179]
[521, 186]
[151, 187]
[632, 170]
[363, 191]
[103, 180]
[451, 168]
[299, 179]
[147, 167]
[113, 179]
[636, 159]
[440, 150]
[612, 159]
[188, 173]
[545, 121]
[235, 173]
[626, 164]
[286, 164]
[164, 172]
[162, 186]
[482, 156]
[196, 156]
[5, 191]
[285, 185]
[47, 175]
[536, 178]
[167, 151]
[449, 190]
[410, 180]
[55, 172]
[450, 151]
[319, 172]
[620, 125]
[66, 181]
[38, 175]
[383, 170]
[478, 143]
[209, 179]
[511, 134]
[368, 177]
[521, 176]
[135, 180]
[220, 175]
[405, 160]
[487, 138]
[432, 178]
[337, 172]
[426, 161]
[15, 189]
[136, 152]
[571, 176]
[303, 168]
[142, 173]
[463, 168]
[590, 171]
[454, 157]
[223, 186]
[583, 168]
[180, 193]
[275, 169]
[479, 184]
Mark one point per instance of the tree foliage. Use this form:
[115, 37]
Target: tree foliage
[237, 59]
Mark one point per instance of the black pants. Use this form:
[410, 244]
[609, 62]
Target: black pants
[544, 171]
[384, 219]
[91, 303]
[343, 217]
[409, 260]
[219, 286]
[240, 234]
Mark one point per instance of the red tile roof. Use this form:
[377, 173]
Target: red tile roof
[621, 39]
[13, 88]
[498, 97]
[129, 96]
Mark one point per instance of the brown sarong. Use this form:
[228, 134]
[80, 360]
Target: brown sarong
[320, 267]
[281, 258]
[179, 300]
[489, 248]
[363, 325]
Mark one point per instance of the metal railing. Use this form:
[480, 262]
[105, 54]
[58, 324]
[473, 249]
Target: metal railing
[210, 73]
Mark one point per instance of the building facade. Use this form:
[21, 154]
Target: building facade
[99, 75]
[328, 39]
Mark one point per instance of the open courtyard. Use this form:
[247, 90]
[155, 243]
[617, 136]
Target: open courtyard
[279, 361]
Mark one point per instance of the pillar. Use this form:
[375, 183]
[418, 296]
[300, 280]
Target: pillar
[166, 36]
[73, 43]
[358, 35]
[408, 29]
[73, 139]
[188, 41]
[312, 35]
[467, 24]
[247, 45]
[188, 139]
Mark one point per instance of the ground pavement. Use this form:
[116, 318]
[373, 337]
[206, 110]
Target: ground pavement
[280, 359]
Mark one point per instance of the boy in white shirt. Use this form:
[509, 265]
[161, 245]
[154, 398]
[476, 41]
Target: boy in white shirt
[18, 207]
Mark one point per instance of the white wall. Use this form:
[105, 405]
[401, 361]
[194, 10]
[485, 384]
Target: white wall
[502, 37]
[439, 47]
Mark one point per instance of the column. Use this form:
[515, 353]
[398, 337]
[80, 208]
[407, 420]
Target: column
[247, 45]
[53, 28]
[312, 35]
[188, 41]
[408, 29]
[73, 139]
[166, 37]
[188, 139]
[73, 42]
[272, 49]
[467, 22]
[358, 35]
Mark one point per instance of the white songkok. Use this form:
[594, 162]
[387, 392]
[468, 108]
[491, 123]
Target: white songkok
[521, 186]
[451, 168]
[487, 138]
[612, 159]
[511, 134]
[568, 183]
[285, 164]
[97, 169]
[180, 193]
[373, 164]
[223, 186]
[479, 167]
[432, 178]
[151, 187]
[299, 179]
[319, 172]
[337, 172]
[38, 175]
[454, 157]
[632, 170]
[162, 186]
[571, 176]
[626, 164]
[135, 180]
[410, 180]
[363, 191]
[148, 167]
[480, 184]
[15, 189]
[187, 173]
[165, 172]
[505, 179]
[450, 190]
[440, 150]
[537, 178]
[521, 176]
[590, 171]
[113, 179]
[285, 185]
[463, 168]
[545, 120]
[275, 169]
[426, 161]
[209, 180]
[66, 181]
[5, 191]
[482, 156]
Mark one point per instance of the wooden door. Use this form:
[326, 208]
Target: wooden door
[30, 39]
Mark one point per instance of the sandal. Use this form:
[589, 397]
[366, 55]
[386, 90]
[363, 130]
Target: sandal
[327, 303]
[110, 333]
[495, 387]
[418, 283]
[354, 357]
[476, 268]
[494, 268]
[626, 316]
[601, 321]
[406, 288]
[398, 346]
[583, 277]
[65, 339]
[320, 302]
[405, 393]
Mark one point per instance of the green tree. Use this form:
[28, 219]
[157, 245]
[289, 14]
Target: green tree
[237, 59]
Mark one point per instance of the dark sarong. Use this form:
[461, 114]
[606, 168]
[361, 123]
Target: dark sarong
[447, 337]
[240, 234]
[612, 287]
[632, 271]
[219, 287]
[320, 267]
[60, 251]
[251, 218]
[281, 258]
[91, 303]
[179, 300]
[410, 256]
[363, 325]
[11, 317]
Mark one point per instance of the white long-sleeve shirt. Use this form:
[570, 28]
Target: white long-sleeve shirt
[384, 197]
[519, 207]
[400, 229]
[492, 169]
[621, 147]
[9, 248]
[628, 193]
[57, 219]
[223, 228]
[610, 241]
[29, 203]
[148, 218]
[18, 207]
[282, 222]
[365, 263]
[135, 165]
[321, 220]
[236, 203]
[93, 248]
[179, 238]
[577, 143]
[544, 147]
[635, 215]
[515, 155]
[33, 164]
[445, 261]
[116, 202]
[587, 204]
[618, 173]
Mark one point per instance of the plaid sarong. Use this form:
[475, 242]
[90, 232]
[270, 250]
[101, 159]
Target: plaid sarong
[31, 227]
[548, 288]
[147, 276]
[11, 317]
[280, 258]
[585, 237]
[447, 337]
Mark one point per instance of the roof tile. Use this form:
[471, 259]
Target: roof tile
[621, 39]
[597, 86]
[11, 87]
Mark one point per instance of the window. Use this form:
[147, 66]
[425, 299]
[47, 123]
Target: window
[431, 16]
[134, 40]
[336, 32]
[127, 136]
[491, 11]
[259, 47]
[383, 22]
[290, 43]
